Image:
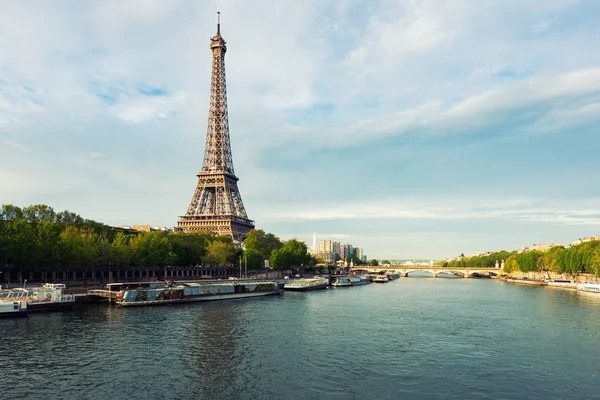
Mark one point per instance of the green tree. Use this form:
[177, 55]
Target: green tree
[373, 263]
[254, 259]
[511, 264]
[219, 253]
[262, 243]
[528, 261]
[292, 254]
[119, 251]
[151, 249]
[595, 262]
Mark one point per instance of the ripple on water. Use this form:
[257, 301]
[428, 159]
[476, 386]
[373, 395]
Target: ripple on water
[411, 339]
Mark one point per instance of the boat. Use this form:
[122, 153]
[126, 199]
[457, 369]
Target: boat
[357, 280]
[380, 278]
[49, 297]
[188, 292]
[304, 285]
[592, 286]
[392, 276]
[341, 281]
[525, 281]
[562, 283]
[13, 309]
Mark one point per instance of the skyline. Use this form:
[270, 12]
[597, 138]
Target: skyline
[417, 129]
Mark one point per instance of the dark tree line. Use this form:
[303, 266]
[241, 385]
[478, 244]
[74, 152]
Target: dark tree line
[36, 238]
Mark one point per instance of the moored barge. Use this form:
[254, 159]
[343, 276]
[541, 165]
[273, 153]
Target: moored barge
[305, 285]
[188, 292]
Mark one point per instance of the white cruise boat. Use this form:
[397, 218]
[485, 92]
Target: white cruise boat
[380, 278]
[341, 281]
[593, 286]
[13, 309]
[12, 304]
[305, 285]
[49, 297]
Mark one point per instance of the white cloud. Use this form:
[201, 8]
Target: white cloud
[15, 145]
[585, 212]
[377, 69]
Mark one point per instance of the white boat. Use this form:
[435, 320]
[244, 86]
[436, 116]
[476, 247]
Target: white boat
[562, 283]
[304, 285]
[593, 286]
[13, 309]
[46, 298]
[341, 281]
[380, 278]
[188, 292]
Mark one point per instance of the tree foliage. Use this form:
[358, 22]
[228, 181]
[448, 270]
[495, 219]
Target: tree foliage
[259, 247]
[36, 238]
[292, 254]
[571, 260]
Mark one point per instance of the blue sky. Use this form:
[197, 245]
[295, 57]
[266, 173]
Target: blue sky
[413, 129]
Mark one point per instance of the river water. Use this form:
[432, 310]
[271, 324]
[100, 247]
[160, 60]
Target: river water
[408, 339]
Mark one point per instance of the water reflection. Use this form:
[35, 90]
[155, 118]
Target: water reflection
[213, 360]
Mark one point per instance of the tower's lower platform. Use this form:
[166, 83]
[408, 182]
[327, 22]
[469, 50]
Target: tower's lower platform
[229, 225]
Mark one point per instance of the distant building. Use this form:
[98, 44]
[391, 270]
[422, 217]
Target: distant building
[347, 250]
[335, 248]
[145, 228]
[481, 254]
[523, 249]
[543, 247]
[324, 245]
[585, 240]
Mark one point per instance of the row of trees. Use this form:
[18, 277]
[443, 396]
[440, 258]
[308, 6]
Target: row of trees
[36, 238]
[583, 258]
[261, 246]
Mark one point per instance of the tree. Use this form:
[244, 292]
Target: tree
[262, 243]
[373, 263]
[219, 253]
[119, 251]
[511, 264]
[151, 249]
[292, 254]
[595, 262]
[254, 259]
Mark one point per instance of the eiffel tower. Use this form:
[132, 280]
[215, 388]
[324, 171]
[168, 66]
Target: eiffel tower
[216, 204]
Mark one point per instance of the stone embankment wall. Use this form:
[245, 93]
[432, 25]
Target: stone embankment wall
[551, 275]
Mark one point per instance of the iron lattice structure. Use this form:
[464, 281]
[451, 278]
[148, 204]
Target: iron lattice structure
[216, 204]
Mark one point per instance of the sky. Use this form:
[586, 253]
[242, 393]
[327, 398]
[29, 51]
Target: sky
[410, 128]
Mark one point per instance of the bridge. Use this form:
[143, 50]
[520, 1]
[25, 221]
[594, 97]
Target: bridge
[405, 271]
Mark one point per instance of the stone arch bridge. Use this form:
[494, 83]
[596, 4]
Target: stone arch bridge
[405, 271]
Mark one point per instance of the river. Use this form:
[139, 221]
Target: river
[411, 338]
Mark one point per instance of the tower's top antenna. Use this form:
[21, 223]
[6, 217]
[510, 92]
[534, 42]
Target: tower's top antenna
[218, 22]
